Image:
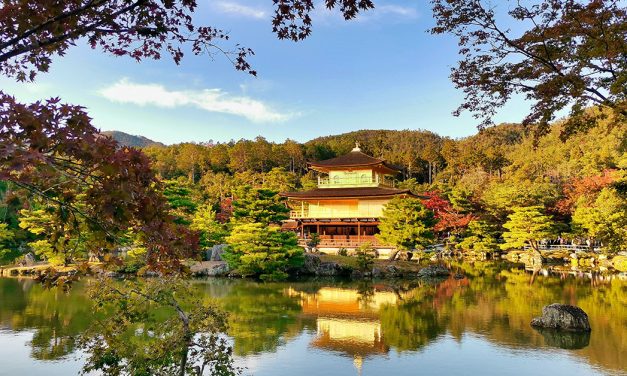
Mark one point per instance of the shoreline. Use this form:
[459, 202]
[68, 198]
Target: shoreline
[324, 265]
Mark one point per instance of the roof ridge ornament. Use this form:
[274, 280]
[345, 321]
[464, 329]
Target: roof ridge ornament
[356, 148]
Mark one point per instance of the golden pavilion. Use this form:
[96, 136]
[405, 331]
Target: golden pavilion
[345, 208]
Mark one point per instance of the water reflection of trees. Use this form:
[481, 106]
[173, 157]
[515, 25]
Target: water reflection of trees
[57, 318]
[494, 301]
[261, 316]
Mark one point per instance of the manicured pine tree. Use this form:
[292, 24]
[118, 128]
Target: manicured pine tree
[527, 226]
[406, 224]
[253, 205]
[480, 236]
[256, 249]
[257, 246]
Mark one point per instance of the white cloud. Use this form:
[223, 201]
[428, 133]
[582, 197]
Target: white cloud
[211, 100]
[386, 12]
[397, 10]
[240, 9]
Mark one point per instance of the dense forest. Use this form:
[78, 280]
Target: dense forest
[474, 184]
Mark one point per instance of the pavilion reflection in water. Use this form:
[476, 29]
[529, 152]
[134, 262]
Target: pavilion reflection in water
[347, 321]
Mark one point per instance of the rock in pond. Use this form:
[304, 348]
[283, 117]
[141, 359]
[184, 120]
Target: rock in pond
[434, 271]
[562, 317]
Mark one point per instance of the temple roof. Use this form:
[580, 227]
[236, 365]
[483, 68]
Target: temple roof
[322, 193]
[356, 158]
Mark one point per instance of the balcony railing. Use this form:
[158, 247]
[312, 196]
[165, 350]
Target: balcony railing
[345, 241]
[331, 213]
[357, 181]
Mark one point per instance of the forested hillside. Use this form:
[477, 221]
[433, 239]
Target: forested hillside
[125, 139]
[578, 183]
[479, 187]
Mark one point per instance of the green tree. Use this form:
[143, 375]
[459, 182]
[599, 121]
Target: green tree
[605, 219]
[263, 206]
[211, 231]
[480, 236]
[181, 198]
[61, 241]
[256, 249]
[527, 226]
[558, 54]
[216, 187]
[6, 237]
[500, 197]
[406, 224]
[365, 256]
[280, 180]
[309, 181]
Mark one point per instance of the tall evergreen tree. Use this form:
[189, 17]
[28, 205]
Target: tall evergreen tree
[406, 224]
[528, 226]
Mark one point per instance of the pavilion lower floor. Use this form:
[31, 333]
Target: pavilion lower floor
[339, 233]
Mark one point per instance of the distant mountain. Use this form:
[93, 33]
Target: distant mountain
[126, 139]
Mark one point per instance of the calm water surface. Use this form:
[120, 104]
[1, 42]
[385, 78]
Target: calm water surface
[475, 325]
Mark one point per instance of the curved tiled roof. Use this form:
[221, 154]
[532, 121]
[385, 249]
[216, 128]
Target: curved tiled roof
[354, 158]
[322, 193]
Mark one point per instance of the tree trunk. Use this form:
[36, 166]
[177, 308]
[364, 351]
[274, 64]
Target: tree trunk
[187, 338]
[429, 166]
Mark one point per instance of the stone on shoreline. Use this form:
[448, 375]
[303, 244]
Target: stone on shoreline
[215, 253]
[562, 317]
[209, 269]
[433, 271]
[28, 259]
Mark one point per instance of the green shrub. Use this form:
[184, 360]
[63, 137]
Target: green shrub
[263, 251]
[365, 257]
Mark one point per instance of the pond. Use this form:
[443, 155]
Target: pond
[475, 325]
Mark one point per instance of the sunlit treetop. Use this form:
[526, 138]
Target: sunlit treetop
[558, 54]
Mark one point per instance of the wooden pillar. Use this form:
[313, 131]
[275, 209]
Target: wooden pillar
[358, 232]
[318, 228]
[302, 230]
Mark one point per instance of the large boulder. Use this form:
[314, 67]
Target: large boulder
[562, 317]
[433, 271]
[215, 253]
[209, 269]
[28, 259]
[218, 269]
[328, 269]
[311, 264]
[393, 272]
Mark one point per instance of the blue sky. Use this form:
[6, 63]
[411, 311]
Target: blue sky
[381, 71]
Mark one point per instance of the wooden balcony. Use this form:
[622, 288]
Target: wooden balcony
[354, 182]
[335, 213]
[345, 241]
